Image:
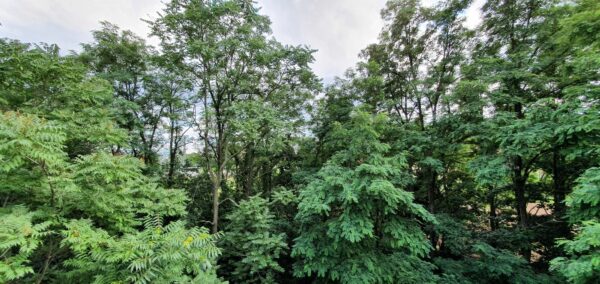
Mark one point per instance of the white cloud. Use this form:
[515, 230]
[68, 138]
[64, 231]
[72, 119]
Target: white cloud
[338, 29]
[69, 22]
[473, 14]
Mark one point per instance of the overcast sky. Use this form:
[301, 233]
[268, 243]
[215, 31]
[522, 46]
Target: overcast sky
[338, 29]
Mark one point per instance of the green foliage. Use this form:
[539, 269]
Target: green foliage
[33, 159]
[20, 236]
[468, 259]
[251, 244]
[584, 202]
[55, 171]
[497, 126]
[39, 81]
[490, 171]
[238, 72]
[485, 264]
[120, 192]
[158, 254]
[28, 140]
[124, 60]
[357, 223]
[583, 262]
[111, 191]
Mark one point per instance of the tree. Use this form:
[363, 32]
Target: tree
[174, 87]
[124, 59]
[224, 45]
[448, 154]
[251, 243]
[583, 262]
[410, 75]
[51, 186]
[158, 254]
[19, 238]
[39, 81]
[358, 224]
[465, 257]
[511, 46]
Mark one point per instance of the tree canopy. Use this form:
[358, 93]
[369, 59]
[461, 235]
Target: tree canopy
[447, 154]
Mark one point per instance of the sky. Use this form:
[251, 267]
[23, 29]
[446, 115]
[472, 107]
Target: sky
[338, 29]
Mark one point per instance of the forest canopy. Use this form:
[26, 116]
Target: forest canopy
[447, 154]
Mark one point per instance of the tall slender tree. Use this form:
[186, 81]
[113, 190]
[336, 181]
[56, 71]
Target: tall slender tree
[224, 45]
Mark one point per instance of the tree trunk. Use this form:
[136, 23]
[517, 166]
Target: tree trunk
[558, 179]
[172, 154]
[433, 237]
[215, 207]
[431, 192]
[493, 216]
[171, 172]
[248, 170]
[267, 179]
[519, 183]
[521, 202]
[519, 178]
[558, 184]
[217, 179]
